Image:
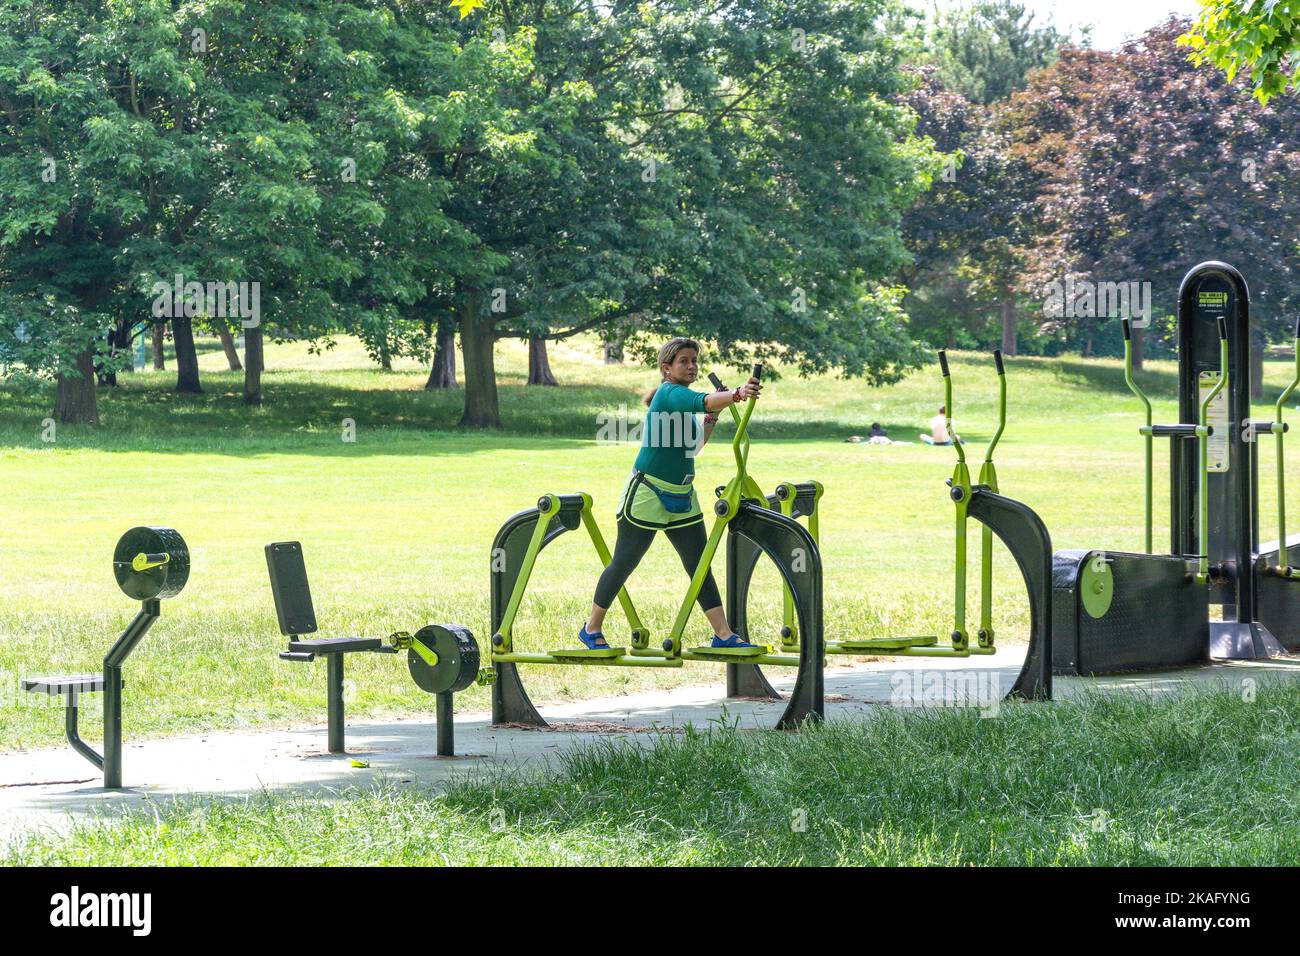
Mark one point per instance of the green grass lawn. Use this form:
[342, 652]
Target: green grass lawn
[1204, 779]
[397, 526]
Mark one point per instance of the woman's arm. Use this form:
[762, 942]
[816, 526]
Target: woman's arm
[710, 420]
[717, 401]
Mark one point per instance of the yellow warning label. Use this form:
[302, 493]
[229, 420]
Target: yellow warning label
[1212, 299]
[1216, 416]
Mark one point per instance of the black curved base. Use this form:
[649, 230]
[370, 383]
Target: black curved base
[1015, 524]
[1026, 537]
[788, 544]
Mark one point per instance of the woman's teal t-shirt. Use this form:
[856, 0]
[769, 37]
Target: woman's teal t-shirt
[671, 435]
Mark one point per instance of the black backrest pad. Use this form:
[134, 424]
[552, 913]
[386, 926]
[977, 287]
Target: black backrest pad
[289, 586]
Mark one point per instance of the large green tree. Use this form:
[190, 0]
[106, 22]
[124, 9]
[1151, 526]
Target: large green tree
[1150, 165]
[263, 143]
[986, 50]
[1257, 38]
[735, 172]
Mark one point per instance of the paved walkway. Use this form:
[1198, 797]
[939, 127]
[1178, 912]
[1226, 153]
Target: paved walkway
[48, 787]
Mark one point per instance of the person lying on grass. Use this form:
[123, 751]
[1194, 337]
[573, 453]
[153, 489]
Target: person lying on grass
[659, 495]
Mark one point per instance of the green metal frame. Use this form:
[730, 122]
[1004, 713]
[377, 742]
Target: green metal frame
[739, 487]
[1145, 430]
[961, 490]
[503, 651]
[671, 653]
[989, 479]
[1202, 433]
[789, 619]
[1283, 568]
[1203, 450]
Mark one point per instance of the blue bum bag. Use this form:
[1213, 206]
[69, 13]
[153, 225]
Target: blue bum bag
[674, 503]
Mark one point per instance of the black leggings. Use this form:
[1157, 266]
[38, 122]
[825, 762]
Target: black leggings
[634, 542]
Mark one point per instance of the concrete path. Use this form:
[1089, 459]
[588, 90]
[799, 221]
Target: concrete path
[50, 787]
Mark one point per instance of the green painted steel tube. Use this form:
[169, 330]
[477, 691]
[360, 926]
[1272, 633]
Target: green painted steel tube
[625, 660]
[961, 492]
[525, 572]
[1284, 563]
[697, 581]
[989, 479]
[739, 486]
[1203, 447]
[640, 635]
[778, 660]
[1146, 402]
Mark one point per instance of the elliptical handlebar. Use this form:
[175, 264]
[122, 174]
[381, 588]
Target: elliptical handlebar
[1145, 430]
[740, 442]
[1283, 568]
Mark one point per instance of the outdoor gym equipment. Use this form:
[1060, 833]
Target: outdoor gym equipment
[1015, 524]
[150, 564]
[443, 658]
[1121, 611]
[794, 500]
[742, 513]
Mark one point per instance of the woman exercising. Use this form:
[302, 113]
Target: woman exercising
[660, 494]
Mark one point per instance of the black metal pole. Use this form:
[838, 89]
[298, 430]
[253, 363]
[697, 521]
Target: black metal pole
[74, 738]
[446, 725]
[113, 661]
[334, 702]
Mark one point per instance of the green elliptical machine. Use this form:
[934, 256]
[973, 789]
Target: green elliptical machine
[1014, 523]
[741, 514]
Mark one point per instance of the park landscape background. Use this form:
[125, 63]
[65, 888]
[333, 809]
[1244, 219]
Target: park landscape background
[470, 227]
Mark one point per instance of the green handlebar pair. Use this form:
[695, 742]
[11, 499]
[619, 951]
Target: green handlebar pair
[1284, 568]
[1203, 432]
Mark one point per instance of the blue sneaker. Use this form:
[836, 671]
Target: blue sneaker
[735, 640]
[593, 642]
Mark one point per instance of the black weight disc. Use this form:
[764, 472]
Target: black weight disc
[457, 658]
[164, 581]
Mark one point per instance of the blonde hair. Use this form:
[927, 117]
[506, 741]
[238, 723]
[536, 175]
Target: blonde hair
[667, 355]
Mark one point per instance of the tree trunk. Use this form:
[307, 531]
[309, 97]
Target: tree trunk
[1008, 327]
[75, 400]
[187, 360]
[124, 343]
[385, 356]
[1087, 346]
[477, 342]
[1139, 348]
[614, 349]
[159, 347]
[443, 372]
[539, 366]
[253, 366]
[228, 345]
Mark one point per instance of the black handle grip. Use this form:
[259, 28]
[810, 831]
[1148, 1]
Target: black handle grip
[943, 362]
[1128, 329]
[717, 382]
[1223, 329]
[758, 370]
[1173, 431]
[997, 360]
